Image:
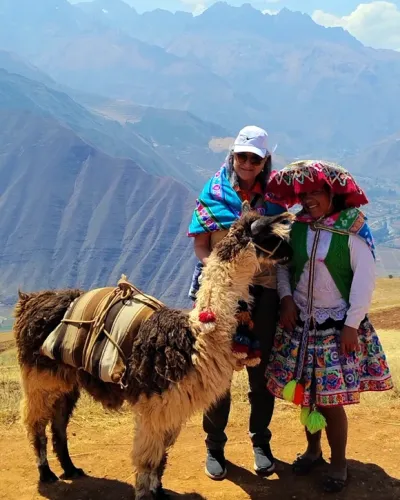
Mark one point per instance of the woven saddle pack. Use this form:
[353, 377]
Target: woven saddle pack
[98, 330]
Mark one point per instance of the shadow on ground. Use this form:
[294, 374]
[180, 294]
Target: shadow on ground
[366, 481]
[92, 488]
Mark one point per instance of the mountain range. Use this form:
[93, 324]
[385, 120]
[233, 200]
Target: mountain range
[72, 215]
[319, 89]
[111, 119]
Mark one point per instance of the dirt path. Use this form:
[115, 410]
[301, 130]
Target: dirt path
[103, 452]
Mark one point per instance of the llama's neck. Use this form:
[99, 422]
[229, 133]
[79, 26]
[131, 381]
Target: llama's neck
[223, 284]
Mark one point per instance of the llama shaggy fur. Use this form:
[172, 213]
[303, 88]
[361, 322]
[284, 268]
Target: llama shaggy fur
[178, 365]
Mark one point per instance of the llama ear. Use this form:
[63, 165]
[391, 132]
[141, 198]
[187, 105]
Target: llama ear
[246, 208]
[23, 297]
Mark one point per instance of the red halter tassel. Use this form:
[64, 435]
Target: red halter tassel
[207, 317]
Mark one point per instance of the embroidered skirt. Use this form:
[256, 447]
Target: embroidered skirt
[330, 379]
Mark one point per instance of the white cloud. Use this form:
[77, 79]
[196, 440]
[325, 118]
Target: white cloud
[376, 24]
[197, 7]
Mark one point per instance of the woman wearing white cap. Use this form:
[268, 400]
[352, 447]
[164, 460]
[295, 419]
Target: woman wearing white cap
[243, 176]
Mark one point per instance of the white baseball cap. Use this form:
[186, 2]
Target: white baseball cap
[252, 139]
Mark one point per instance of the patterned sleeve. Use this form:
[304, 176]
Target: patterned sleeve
[362, 288]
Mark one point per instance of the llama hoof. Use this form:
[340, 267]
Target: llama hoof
[73, 474]
[47, 475]
[161, 494]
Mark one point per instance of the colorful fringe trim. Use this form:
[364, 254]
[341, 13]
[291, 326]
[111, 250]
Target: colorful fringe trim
[313, 420]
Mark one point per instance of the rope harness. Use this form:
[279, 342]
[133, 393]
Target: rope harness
[123, 292]
[269, 253]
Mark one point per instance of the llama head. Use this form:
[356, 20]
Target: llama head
[264, 238]
[252, 243]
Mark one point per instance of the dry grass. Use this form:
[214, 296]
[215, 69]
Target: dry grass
[386, 295]
[386, 317]
[391, 344]
[10, 390]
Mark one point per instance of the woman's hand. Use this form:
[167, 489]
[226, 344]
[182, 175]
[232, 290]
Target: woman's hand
[289, 313]
[348, 340]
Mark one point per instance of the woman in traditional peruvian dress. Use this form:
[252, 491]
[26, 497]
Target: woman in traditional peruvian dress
[326, 351]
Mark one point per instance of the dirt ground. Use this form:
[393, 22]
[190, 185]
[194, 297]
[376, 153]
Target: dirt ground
[104, 453]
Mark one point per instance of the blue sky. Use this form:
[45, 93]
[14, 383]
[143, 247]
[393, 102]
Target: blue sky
[375, 23]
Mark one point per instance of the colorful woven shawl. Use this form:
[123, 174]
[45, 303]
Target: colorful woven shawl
[219, 206]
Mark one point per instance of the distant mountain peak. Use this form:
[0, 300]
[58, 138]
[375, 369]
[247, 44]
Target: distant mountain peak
[106, 6]
[244, 18]
[167, 14]
[287, 12]
[227, 9]
[289, 19]
[110, 4]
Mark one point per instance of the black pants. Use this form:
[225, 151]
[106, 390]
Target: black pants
[264, 315]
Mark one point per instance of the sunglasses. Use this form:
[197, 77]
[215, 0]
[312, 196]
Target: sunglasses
[250, 157]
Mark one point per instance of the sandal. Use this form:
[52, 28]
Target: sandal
[334, 485]
[304, 465]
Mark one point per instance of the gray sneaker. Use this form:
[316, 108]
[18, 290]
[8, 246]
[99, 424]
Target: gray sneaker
[264, 462]
[216, 465]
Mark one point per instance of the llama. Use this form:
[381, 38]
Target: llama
[181, 362]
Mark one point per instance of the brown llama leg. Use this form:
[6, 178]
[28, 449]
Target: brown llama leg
[37, 435]
[169, 440]
[41, 391]
[63, 409]
[149, 449]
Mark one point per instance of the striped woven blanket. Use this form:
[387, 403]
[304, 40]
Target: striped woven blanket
[98, 330]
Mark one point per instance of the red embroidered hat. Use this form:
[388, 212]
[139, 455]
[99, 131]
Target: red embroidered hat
[304, 176]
